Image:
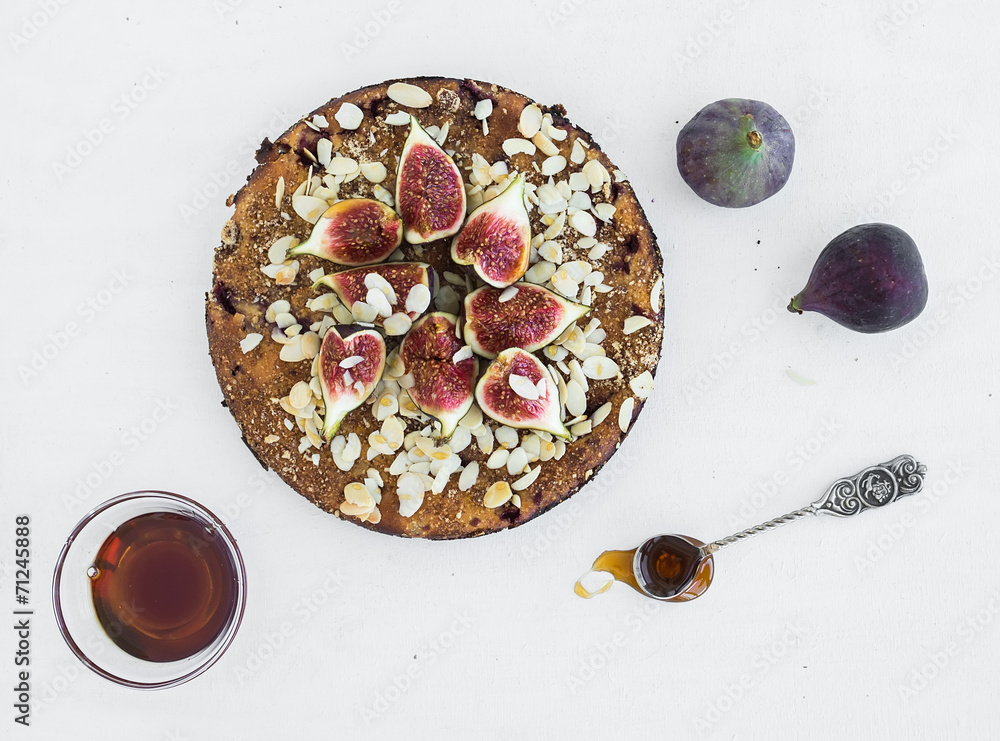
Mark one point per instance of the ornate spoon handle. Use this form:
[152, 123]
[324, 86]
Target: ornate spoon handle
[875, 486]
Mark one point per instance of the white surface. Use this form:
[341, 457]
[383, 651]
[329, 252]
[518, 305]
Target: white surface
[826, 637]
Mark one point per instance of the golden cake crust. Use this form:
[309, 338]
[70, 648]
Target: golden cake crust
[253, 382]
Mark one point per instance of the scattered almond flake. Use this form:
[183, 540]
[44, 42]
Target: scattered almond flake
[584, 223]
[498, 173]
[620, 176]
[251, 341]
[517, 461]
[642, 385]
[579, 154]
[486, 128]
[399, 118]
[600, 414]
[374, 281]
[523, 387]
[271, 439]
[300, 395]
[348, 378]
[440, 481]
[625, 414]
[342, 166]
[358, 494]
[498, 494]
[580, 199]
[463, 353]
[349, 116]
[578, 181]
[483, 109]
[555, 228]
[540, 272]
[351, 361]
[409, 95]
[364, 312]
[418, 299]
[278, 307]
[654, 295]
[507, 436]
[605, 211]
[447, 300]
[400, 465]
[530, 121]
[565, 285]
[552, 131]
[518, 146]
[594, 278]
[544, 144]
[555, 352]
[320, 120]
[289, 424]
[581, 428]
[279, 192]
[576, 399]
[406, 381]
[473, 418]
[410, 490]
[442, 135]
[635, 323]
[359, 388]
[309, 208]
[598, 251]
[284, 320]
[315, 275]
[292, 352]
[508, 293]
[397, 324]
[484, 441]
[498, 459]
[383, 195]
[373, 172]
[324, 151]
[468, 477]
[547, 451]
[311, 125]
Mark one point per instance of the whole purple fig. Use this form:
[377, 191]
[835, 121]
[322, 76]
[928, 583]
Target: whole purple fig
[869, 279]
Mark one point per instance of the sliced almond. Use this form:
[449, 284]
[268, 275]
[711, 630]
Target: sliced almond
[397, 324]
[373, 172]
[468, 477]
[635, 323]
[409, 95]
[349, 116]
[527, 480]
[309, 208]
[642, 385]
[483, 109]
[625, 414]
[530, 121]
[251, 341]
[518, 146]
[399, 118]
[498, 494]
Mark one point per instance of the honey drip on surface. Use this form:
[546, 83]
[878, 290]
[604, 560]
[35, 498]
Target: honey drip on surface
[661, 569]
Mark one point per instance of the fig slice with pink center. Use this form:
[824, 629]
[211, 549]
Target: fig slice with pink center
[430, 195]
[517, 391]
[350, 367]
[354, 285]
[441, 387]
[496, 238]
[357, 231]
[530, 319]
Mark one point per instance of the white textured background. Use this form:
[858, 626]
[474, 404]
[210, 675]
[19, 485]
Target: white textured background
[880, 627]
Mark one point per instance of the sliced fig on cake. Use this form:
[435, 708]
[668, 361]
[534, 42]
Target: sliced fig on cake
[376, 292]
[523, 315]
[443, 375]
[430, 194]
[517, 391]
[351, 362]
[496, 238]
[358, 231]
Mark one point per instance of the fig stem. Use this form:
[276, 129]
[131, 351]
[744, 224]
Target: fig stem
[793, 305]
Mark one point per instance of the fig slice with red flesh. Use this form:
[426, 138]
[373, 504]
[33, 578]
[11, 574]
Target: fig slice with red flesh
[517, 391]
[530, 319]
[430, 195]
[496, 238]
[442, 387]
[352, 286]
[350, 367]
[357, 231]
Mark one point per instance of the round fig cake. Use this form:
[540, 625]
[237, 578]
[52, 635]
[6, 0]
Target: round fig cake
[436, 310]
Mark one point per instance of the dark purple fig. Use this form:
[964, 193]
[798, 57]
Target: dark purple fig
[405, 287]
[350, 368]
[869, 279]
[430, 195]
[736, 152]
[496, 238]
[523, 315]
[358, 231]
[517, 391]
[443, 375]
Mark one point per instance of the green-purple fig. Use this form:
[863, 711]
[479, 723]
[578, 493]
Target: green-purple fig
[869, 279]
[736, 152]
